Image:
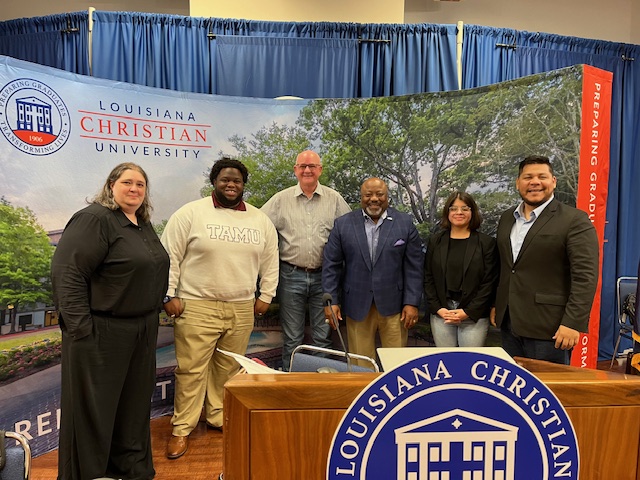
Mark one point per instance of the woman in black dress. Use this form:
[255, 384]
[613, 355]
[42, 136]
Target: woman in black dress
[109, 276]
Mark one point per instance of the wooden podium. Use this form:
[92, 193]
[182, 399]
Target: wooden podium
[281, 426]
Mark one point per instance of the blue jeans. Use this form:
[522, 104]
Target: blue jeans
[518, 346]
[296, 290]
[465, 334]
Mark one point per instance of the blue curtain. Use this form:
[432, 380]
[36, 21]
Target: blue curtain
[164, 51]
[44, 48]
[59, 41]
[272, 67]
[511, 54]
[486, 55]
[404, 59]
[185, 53]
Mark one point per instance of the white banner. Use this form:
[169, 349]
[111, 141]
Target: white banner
[63, 133]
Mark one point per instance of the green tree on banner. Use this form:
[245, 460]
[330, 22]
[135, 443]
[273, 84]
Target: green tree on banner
[269, 155]
[544, 119]
[25, 259]
[428, 145]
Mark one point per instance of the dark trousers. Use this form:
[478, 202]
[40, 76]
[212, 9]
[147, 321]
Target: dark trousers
[108, 378]
[518, 346]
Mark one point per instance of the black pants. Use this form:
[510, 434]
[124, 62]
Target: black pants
[108, 378]
[518, 346]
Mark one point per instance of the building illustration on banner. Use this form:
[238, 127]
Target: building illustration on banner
[30, 107]
[456, 443]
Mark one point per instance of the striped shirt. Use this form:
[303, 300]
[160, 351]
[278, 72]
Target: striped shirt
[304, 224]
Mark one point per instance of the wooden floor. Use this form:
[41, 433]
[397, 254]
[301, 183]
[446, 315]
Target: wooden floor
[203, 460]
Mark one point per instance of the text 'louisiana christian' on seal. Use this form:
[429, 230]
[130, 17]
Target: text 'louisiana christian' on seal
[455, 416]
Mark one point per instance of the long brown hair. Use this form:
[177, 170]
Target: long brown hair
[105, 196]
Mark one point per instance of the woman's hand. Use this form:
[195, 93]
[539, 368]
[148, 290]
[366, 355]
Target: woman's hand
[455, 316]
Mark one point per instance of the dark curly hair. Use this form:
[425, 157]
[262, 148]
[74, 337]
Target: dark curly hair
[228, 162]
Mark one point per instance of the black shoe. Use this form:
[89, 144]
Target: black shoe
[213, 427]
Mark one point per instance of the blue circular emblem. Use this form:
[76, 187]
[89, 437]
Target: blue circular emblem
[455, 416]
[33, 117]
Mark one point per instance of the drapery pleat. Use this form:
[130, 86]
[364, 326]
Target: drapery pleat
[44, 48]
[405, 59]
[59, 41]
[272, 67]
[483, 61]
[164, 51]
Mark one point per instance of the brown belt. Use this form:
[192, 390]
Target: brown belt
[304, 269]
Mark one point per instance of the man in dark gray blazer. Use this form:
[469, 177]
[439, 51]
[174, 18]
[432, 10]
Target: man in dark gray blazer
[373, 261]
[548, 269]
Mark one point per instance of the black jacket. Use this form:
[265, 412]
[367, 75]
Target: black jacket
[479, 278]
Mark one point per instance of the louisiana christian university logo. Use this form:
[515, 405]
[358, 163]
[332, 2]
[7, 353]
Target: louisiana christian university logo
[33, 117]
[455, 416]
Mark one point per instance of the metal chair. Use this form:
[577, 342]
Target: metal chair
[307, 362]
[624, 287]
[17, 458]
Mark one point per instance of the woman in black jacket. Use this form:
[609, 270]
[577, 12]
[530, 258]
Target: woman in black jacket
[460, 275]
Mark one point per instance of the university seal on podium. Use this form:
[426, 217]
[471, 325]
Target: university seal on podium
[455, 416]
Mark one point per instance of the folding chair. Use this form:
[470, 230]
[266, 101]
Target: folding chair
[624, 287]
[307, 362]
[15, 460]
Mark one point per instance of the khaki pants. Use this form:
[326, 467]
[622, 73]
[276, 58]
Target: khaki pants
[362, 335]
[203, 328]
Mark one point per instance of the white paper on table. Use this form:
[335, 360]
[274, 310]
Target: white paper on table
[249, 365]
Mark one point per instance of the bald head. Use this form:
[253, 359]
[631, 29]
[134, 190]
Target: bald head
[374, 197]
[308, 157]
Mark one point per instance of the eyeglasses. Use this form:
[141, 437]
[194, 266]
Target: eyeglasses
[310, 166]
[464, 209]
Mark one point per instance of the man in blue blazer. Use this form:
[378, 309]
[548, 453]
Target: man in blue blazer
[373, 261]
[548, 269]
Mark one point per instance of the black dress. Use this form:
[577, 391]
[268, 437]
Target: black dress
[109, 277]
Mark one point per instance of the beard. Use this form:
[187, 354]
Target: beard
[225, 202]
[374, 211]
[535, 204]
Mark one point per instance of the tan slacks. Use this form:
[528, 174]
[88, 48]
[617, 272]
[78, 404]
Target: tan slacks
[362, 335]
[203, 328]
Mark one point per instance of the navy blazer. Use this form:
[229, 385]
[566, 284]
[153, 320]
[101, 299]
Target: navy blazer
[479, 277]
[553, 280]
[391, 281]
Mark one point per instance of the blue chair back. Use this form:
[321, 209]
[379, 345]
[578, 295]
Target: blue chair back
[304, 360]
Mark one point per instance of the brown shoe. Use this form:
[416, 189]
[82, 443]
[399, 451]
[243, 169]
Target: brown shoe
[177, 446]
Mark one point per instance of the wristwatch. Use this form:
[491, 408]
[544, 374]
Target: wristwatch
[166, 299]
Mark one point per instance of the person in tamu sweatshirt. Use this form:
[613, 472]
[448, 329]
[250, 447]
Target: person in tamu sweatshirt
[220, 249]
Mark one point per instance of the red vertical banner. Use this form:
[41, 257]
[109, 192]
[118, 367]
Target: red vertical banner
[593, 181]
